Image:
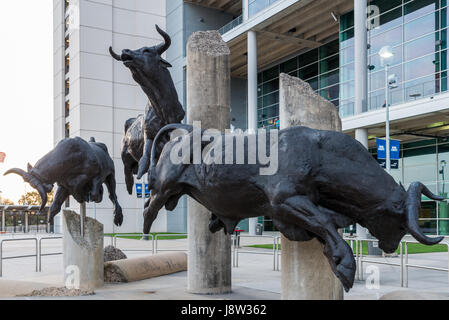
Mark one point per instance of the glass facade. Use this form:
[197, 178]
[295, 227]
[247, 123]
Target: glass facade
[417, 32]
[318, 67]
[255, 6]
[427, 161]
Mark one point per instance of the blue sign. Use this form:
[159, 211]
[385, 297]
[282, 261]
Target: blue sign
[395, 147]
[139, 190]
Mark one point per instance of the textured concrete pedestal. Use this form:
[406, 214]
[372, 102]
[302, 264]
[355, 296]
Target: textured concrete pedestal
[208, 101]
[306, 273]
[83, 255]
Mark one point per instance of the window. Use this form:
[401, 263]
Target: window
[67, 42]
[67, 130]
[67, 108]
[67, 87]
[67, 63]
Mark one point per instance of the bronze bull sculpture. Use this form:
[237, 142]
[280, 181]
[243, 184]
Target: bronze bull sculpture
[150, 71]
[325, 180]
[79, 168]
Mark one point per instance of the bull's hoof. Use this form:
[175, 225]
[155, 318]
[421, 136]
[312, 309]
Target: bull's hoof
[346, 273]
[118, 219]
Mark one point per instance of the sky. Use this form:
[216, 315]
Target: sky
[26, 88]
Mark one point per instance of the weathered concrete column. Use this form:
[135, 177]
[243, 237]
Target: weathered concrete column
[306, 273]
[83, 255]
[208, 101]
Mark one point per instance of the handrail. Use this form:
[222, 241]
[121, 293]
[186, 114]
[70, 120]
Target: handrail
[16, 257]
[124, 235]
[236, 251]
[170, 235]
[46, 254]
[407, 265]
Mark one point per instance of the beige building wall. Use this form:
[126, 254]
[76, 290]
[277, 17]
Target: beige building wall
[103, 94]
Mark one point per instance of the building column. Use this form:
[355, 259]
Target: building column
[3, 220]
[252, 99]
[306, 273]
[361, 76]
[245, 9]
[209, 101]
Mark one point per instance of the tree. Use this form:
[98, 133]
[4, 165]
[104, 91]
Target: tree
[6, 201]
[34, 199]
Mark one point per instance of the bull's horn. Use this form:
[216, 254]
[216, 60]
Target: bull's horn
[35, 183]
[413, 204]
[164, 46]
[115, 55]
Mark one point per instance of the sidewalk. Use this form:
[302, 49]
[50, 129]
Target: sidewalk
[254, 279]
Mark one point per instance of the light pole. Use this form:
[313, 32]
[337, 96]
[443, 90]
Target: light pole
[386, 58]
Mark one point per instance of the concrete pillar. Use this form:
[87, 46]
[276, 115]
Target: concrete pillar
[252, 99]
[208, 101]
[245, 9]
[83, 256]
[306, 273]
[26, 222]
[361, 76]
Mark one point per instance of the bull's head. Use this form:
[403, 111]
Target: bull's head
[150, 71]
[166, 187]
[35, 181]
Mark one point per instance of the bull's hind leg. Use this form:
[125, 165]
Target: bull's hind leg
[300, 211]
[111, 185]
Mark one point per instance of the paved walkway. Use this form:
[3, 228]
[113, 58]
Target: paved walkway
[254, 279]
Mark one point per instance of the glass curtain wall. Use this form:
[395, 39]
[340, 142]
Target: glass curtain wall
[255, 6]
[319, 67]
[428, 162]
[417, 32]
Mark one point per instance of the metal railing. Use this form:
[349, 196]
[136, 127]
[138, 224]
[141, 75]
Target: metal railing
[16, 257]
[403, 261]
[236, 251]
[127, 235]
[407, 265]
[46, 254]
[360, 260]
[231, 25]
[169, 235]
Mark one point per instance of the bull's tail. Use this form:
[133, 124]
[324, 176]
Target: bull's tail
[160, 134]
[41, 187]
[413, 205]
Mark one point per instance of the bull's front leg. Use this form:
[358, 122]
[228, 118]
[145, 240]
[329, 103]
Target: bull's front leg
[144, 163]
[60, 197]
[128, 165]
[302, 212]
[111, 185]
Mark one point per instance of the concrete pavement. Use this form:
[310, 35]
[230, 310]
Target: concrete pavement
[254, 279]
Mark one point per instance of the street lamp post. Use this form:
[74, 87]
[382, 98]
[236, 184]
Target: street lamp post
[386, 57]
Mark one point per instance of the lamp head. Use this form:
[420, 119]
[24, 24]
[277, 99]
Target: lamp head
[386, 55]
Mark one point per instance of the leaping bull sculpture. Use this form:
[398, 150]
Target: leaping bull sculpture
[79, 168]
[150, 71]
[325, 180]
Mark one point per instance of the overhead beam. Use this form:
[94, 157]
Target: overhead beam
[289, 39]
